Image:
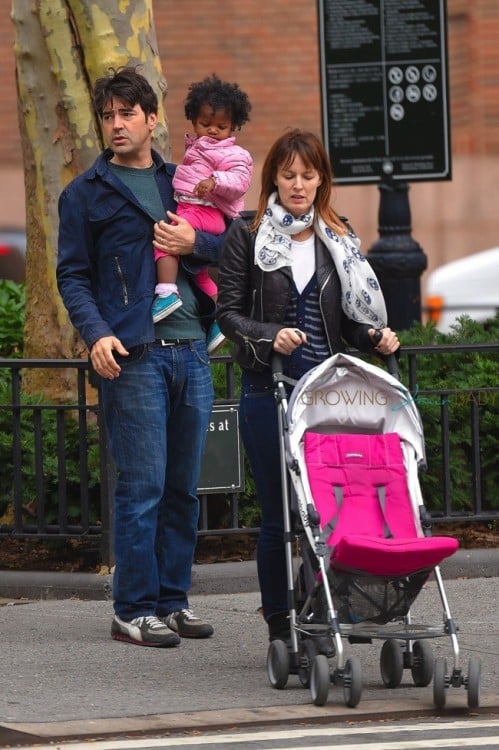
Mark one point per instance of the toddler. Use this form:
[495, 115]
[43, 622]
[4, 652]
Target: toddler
[209, 184]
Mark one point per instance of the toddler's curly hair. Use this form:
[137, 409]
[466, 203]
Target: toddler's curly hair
[218, 94]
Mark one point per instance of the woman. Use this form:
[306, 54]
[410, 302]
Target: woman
[293, 281]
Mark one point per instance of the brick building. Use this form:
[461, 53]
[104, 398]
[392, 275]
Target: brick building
[271, 50]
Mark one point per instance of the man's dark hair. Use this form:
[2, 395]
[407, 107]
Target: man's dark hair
[218, 95]
[129, 86]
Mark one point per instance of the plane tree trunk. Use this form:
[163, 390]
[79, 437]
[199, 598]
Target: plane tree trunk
[61, 48]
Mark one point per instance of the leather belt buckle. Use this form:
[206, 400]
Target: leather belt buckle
[172, 342]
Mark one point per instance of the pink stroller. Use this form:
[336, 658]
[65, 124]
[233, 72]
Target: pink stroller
[351, 447]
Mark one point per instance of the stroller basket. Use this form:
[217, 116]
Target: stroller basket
[359, 598]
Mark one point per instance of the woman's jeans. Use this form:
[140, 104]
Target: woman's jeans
[157, 413]
[260, 434]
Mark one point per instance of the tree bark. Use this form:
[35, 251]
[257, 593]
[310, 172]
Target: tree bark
[61, 48]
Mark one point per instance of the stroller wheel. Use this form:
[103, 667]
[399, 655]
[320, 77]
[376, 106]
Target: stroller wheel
[391, 663]
[278, 664]
[319, 680]
[473, 682]
[440, 682]
[422, 663]
[352, 682]
[307, 653]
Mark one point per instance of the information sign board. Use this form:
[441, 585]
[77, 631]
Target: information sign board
[222, 468]
[384, 89]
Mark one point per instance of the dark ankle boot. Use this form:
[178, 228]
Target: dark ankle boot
[278, 626]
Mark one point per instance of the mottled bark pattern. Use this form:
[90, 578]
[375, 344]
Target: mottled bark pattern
[61, 48]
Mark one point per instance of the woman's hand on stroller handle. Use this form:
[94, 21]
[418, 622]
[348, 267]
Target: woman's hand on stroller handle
[385, 340]
[288, 339]
[386, 343]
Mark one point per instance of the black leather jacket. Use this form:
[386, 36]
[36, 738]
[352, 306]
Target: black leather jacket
[252, 303]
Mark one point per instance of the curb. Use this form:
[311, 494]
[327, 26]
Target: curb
[210, 578]
[222, 719]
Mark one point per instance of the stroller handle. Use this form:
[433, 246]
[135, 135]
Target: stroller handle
[276, 366]
[389, 359]
[392, 366]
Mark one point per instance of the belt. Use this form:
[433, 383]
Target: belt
[173, 342]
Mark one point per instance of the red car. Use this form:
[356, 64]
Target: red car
[13, 254]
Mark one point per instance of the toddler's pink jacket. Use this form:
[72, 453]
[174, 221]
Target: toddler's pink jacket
[230, 166]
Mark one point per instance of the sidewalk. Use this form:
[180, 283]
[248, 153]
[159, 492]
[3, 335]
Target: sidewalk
[212, 578]
[63, 677]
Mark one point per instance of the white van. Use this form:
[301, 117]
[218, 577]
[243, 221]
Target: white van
[468, 286]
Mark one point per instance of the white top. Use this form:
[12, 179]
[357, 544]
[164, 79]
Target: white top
[303, 261]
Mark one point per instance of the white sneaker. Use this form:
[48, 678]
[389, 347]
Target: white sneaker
[144, 631]
[187, 625]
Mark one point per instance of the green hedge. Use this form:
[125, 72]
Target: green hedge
[12, 305]
[438, 371]
[50, 466]
[466, 370]
[447, 371]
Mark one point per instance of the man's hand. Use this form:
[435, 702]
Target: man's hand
[102, 358]
[177, 238]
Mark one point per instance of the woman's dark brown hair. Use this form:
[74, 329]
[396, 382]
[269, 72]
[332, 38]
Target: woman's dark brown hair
[305, 144]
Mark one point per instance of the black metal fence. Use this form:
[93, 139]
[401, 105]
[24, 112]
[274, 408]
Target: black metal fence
[57, 476]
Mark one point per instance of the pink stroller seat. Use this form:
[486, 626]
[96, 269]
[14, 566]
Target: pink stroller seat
[360, 490]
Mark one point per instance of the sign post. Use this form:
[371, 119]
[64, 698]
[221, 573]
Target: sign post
[385, 111]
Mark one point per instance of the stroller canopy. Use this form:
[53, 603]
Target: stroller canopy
[346, 394]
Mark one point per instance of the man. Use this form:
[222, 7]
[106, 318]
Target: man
[156, 387]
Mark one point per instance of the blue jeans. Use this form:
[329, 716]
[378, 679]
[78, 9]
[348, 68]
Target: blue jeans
[260, 435]
[157, 413]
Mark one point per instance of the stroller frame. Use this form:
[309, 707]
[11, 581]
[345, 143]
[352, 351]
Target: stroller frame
[312, 644]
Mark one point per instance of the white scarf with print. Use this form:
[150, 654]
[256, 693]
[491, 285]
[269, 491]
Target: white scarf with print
[361, 296]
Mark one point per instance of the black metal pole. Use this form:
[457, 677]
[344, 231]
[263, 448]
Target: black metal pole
[396, 257]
